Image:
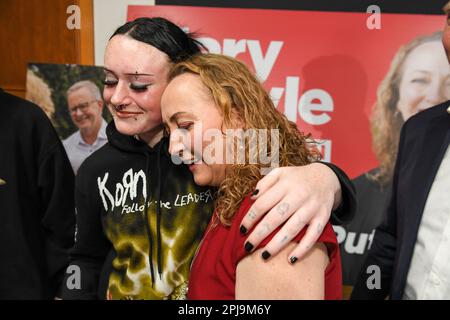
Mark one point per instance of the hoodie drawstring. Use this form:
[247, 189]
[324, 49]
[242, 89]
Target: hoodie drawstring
[133, 144]
[158, 217]
[147, 222]
[158, 212]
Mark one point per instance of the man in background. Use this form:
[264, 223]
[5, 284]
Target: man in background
[85, 107]
[37, 215]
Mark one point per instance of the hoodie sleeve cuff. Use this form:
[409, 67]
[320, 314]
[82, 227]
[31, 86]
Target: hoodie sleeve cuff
[347, 209]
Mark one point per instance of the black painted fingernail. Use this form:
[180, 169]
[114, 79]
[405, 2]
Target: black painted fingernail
[255, 192]
[265, 255]
[293, 259]
[248, 246]
[243, 230]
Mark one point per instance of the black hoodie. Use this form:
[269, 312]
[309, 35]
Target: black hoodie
[37, 217]
[133, 197]
[123, 250]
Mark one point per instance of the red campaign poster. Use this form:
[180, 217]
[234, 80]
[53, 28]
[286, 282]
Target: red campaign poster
[322, 69]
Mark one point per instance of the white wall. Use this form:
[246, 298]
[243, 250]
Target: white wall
[108, 15]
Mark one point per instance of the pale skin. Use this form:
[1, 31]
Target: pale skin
[186, 106]
[136, 73]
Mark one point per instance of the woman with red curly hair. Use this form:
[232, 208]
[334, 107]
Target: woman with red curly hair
[210, 98]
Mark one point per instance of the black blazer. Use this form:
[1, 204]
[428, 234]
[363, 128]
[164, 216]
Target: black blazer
[423, 141]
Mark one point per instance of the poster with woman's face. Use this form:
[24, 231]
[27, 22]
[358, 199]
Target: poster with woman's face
[322, 69]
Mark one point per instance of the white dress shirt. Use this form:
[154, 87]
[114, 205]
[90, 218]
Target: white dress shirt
[429, 272]
[78, 150]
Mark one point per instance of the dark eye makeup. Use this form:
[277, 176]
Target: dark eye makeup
[139, 87]
[107, 82]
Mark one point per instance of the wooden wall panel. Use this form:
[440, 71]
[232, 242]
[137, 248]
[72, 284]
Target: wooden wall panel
[36, 31]
[85, 40]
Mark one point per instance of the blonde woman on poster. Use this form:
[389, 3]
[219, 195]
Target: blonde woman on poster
[418, 78]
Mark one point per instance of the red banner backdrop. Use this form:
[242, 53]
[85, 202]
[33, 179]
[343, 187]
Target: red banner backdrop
[322, 69]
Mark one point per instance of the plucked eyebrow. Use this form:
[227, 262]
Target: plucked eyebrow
[110, 71]
[136, 74]
[421, 71]
[139, 74]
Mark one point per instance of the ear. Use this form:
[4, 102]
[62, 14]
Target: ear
[237, 120]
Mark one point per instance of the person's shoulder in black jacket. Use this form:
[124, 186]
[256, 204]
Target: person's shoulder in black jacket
[37, 198]
[383, 252]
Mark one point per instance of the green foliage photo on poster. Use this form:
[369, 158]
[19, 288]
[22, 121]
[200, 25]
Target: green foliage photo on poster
[47, 86]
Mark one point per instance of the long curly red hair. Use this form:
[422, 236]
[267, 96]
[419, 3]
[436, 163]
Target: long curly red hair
[244, 104]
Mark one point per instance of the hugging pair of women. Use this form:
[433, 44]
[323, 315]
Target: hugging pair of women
[170, 104]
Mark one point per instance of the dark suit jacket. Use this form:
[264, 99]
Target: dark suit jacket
[423, 141]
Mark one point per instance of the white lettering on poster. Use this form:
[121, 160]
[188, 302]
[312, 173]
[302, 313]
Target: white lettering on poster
[311, 102]
[263, 63]
[324, 147]
[314, 106]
